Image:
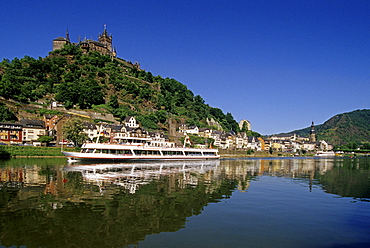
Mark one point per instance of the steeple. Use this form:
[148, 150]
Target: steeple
[105, 33]
[312, 133]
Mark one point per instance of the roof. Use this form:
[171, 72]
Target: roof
[89, 125]
[32, 123]
[97, 43]
[10, 125]
[127, 118]
[60, 39]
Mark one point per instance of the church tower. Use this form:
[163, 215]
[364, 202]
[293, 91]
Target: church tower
[106, 39]
[312, 133]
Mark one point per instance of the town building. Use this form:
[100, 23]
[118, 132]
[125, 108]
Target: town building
[32, 130]
[130, 121]
[10, 133]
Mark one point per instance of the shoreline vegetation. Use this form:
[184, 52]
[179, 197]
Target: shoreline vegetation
[47, 152]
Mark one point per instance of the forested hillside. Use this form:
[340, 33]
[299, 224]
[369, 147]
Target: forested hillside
[106, 84]
[352, 127]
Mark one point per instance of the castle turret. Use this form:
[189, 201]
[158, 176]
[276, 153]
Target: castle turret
[59, 42]
[106, 39]
[67, 37]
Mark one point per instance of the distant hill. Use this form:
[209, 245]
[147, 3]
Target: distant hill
[343, 128]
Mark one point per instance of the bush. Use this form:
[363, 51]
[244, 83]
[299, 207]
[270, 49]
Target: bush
[4, 153]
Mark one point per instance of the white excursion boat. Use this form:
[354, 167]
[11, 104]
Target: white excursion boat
[325, 154]
[136, 148]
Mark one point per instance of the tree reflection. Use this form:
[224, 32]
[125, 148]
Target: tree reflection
[348, 178]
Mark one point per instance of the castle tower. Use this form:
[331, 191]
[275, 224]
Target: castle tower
[312, 133]
[245, 124]
[59, 42]
[106, 39]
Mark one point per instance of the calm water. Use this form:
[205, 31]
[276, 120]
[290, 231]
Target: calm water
[227, 203]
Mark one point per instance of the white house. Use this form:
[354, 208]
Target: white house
[192, 130]
[32, 130]
[309, 146]
[130, 121]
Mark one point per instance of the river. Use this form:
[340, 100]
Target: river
[267, 202]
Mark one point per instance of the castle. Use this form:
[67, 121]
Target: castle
[103, 45]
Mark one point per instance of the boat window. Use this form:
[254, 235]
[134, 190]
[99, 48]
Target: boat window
[126, 152]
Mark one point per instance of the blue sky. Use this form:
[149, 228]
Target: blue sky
[279, 64]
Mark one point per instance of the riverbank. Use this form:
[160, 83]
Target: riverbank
[257, 154]
[35, 151]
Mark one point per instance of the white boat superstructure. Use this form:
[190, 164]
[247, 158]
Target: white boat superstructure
[138, 148]
[325, 154]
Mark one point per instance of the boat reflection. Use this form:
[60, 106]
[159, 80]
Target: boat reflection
[131, 175]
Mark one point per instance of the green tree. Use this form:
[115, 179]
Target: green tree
[271, 150]
[352, 145]
[90, 93]
[113, 102]
[73, 131]
[45, 139]
[4, 153]
[365, 146]
[148, 121]
[6, 114]
[231, 124]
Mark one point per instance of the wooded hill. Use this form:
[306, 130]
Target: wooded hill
[106, 85]
[351, 127]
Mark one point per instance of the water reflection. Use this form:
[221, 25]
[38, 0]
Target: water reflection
[51, 204]
[130, 176]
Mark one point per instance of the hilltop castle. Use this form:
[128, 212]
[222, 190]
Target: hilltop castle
[103, 45]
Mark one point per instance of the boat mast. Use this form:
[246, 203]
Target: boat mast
[97, 139]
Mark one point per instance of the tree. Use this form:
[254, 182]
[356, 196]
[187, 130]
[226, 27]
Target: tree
[90, 93]
[45, 139]
[365, 146]
[6, 114]
[148, 121]
[271, 150]
[113, 102]
[4, 153]
[231, 123]
[73, 131]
